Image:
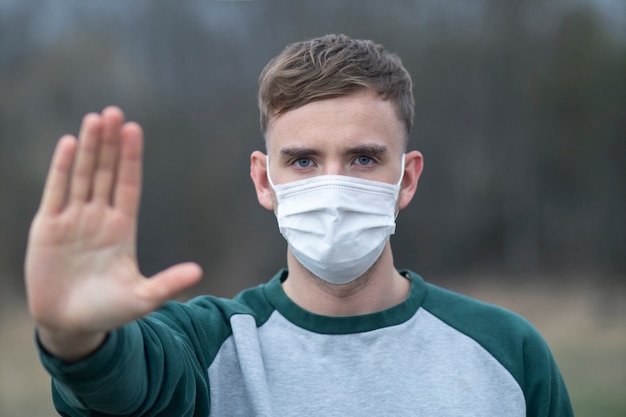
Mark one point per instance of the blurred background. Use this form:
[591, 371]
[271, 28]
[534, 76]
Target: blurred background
[520, 115]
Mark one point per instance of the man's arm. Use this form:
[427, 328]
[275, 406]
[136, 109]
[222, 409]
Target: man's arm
[82, 276]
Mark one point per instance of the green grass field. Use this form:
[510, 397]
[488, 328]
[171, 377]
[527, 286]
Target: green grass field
[586, 330]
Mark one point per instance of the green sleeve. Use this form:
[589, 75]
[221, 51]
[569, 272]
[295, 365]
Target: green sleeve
[151, 367]
[112, 379]
[542, 382]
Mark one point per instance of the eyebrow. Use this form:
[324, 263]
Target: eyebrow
[298, 152]
[373, 149]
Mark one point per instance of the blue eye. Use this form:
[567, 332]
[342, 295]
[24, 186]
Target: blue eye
[364, 160]
[303, 163]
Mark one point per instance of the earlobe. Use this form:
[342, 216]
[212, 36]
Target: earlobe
[413, 166]
[258, 172]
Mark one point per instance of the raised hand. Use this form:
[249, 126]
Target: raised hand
[82, 276]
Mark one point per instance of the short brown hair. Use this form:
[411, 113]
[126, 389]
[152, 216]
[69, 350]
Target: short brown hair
[333, 66]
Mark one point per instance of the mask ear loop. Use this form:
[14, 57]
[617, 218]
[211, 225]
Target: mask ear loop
[401, 170]
[397, 211]
[267, 170]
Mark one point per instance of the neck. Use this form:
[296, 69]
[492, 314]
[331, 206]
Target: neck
[380, 288]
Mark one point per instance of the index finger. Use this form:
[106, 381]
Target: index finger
[127, 191]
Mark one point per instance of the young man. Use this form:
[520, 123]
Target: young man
[340, 332]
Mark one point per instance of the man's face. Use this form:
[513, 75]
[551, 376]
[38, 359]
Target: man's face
[358, 135]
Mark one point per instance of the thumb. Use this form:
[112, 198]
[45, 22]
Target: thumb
[168, 283]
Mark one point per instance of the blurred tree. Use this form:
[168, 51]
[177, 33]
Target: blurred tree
[583, 94]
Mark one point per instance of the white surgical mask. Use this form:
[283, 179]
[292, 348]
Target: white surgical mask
[336, 226]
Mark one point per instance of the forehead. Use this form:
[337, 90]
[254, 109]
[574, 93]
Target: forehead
[341, 121]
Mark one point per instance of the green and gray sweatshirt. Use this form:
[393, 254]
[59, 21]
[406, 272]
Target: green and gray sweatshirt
[437, 354]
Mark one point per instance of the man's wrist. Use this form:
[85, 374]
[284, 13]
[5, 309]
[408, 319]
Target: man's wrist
[69, 347]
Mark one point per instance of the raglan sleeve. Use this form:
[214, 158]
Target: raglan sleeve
[153, 366]
[543, 384]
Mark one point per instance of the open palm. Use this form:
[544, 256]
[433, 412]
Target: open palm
[82, 275]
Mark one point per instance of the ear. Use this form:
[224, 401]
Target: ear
[258, 172]
[413, 165]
